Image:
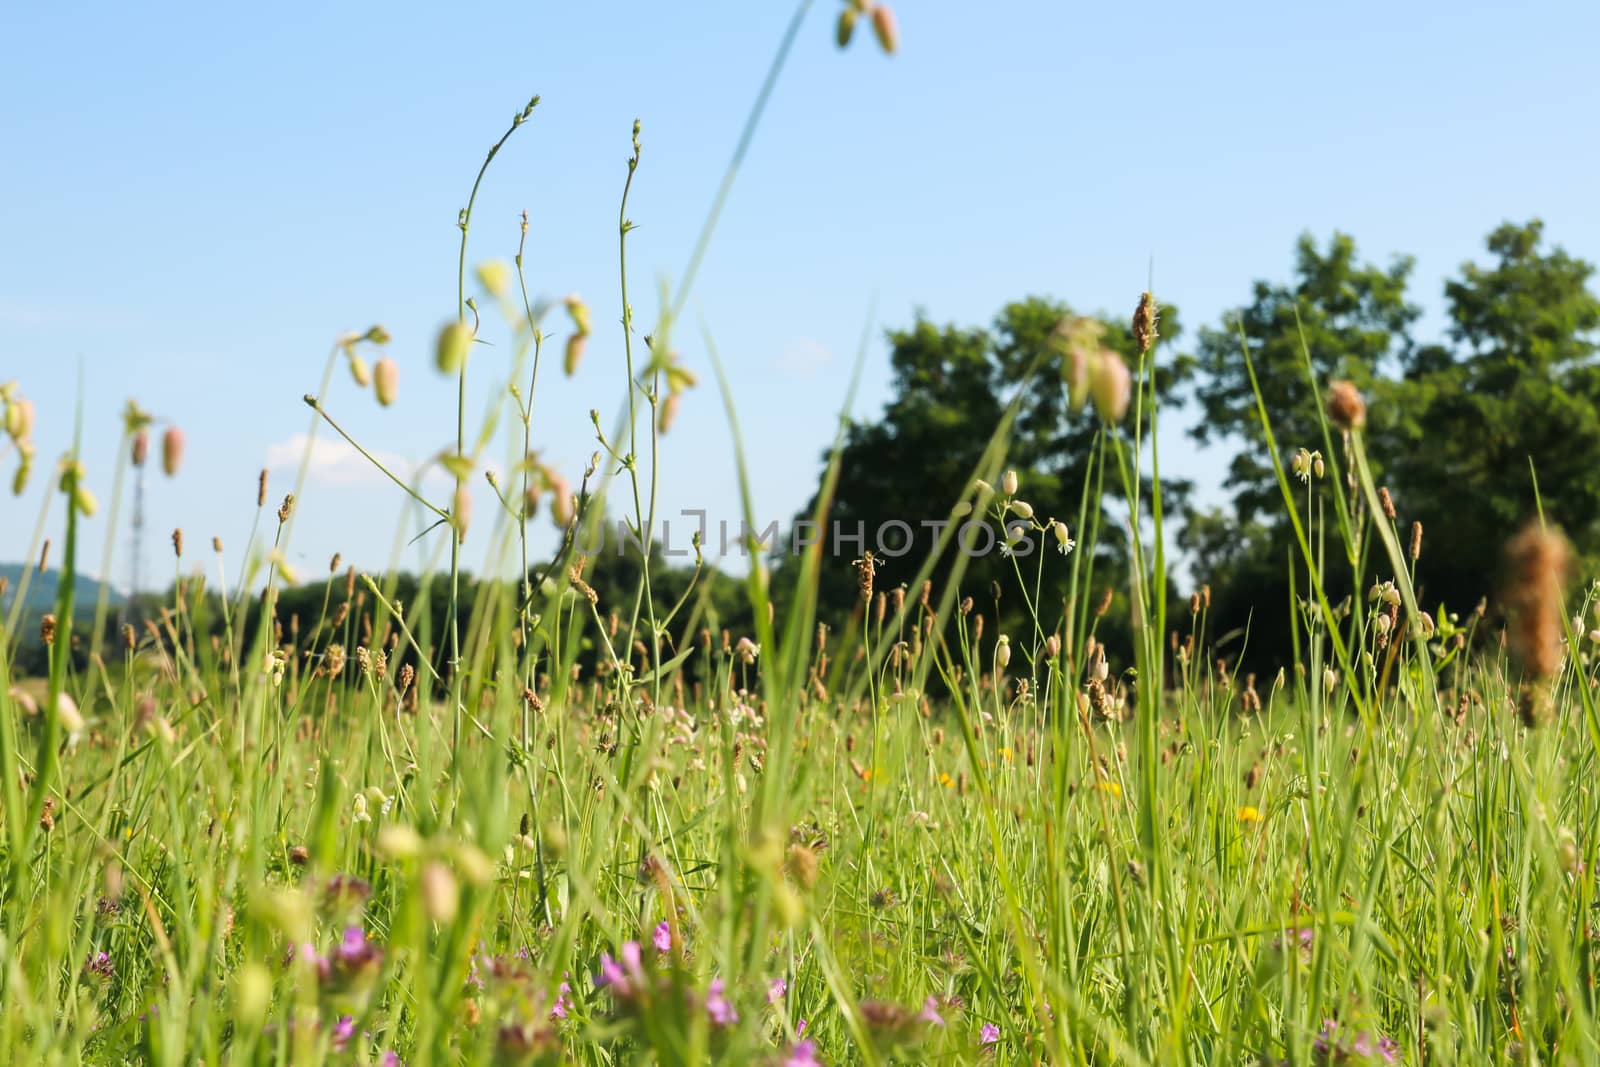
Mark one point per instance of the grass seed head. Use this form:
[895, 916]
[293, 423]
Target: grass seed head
[1537, 563]
[1145, 320]
[1345, 406]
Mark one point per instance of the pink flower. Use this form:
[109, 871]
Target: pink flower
[663, 937]
[622, 977]
[989, 1035]
[803, 1054]
[930, 1012]
[343, 1031]
[563, 1005]
[776, 990]
[718, 1006]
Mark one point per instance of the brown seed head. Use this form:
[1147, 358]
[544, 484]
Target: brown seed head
[1145, 318]
[1387, 502]
[1345, 406]
[1416, 541]
[1537, 562]
[177, 542]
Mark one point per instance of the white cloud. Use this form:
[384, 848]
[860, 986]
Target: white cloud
[335, 461]
[803, 357]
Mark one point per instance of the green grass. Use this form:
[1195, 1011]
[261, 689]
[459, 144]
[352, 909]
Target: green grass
[325, 845]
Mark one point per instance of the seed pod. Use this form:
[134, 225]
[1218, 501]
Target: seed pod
[171, 451]
[359, 370]
[451, 350]
[386, 380]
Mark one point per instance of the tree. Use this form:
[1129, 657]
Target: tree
[1519, 397]
[951, 388]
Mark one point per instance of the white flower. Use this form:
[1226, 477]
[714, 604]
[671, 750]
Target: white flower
[1064, 541]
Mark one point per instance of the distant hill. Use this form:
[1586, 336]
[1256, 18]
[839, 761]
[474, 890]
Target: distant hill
[42, 590]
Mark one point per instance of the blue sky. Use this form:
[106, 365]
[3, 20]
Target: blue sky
[196, 199]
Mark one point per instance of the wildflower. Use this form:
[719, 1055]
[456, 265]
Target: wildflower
[67, 714]
[930, 1012]
[359, 370]
[1064, 541]
[1022, 508]
[1110, 788]
[846, 26]
[561, 1007]
[746, 651]
[1340, 1044]
[624, 977]
[662, 938]
[494, 277]
[803, 1054]
[1002, 652]
[98, 964]
[140, 449]
[1300, 466]
[718, 1006]
[1008, 484]
[343, 1031]
[989, 1035]
[776, 989]
[1249, 814]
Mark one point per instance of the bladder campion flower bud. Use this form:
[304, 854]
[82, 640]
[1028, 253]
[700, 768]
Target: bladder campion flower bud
[1008, 484]
[440, 894]
[883, 26]
[141, 447]
[669, 412]
[461, 511]
[451, 350]
[359, 370]
[574, 353]
[1111, 386]
[1022, 509]
[1002, 652]
[386, 380]
[1345, 406]
[19, 419]
[846, 27]
[171, 451]
[494, 277]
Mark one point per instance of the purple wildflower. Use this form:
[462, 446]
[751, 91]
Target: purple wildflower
[663, 937]
[803, 1054]
[930, 1012]
[563, 1003]
[989, 1035]
[1337, 1045]
[623, 977]
[343, 1031]
[391, 1059]
[718, 1006]
[776, 989]
[99, 965]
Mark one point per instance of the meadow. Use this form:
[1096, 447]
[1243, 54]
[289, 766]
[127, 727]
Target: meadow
[564, 829]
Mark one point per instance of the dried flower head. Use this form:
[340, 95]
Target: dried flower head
[1345, 406]
[1537, 562]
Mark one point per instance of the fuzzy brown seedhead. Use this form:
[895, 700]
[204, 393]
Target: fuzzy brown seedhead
[1537, 562]
[1345, 406]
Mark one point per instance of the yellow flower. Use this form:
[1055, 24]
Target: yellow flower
[1249, 814]
[1005, 754]
[1114, 788]
[946, 781]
